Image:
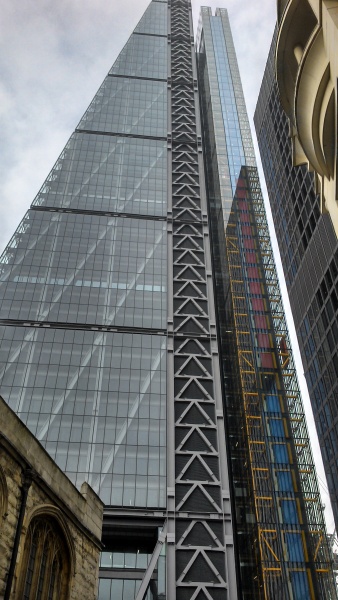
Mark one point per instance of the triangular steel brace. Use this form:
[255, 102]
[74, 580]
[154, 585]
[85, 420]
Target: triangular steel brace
[152, 564]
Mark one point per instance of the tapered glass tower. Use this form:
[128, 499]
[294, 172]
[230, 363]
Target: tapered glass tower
[111, 337]
[108, 339]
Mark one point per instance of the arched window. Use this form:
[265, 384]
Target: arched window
[3, 496]
[46, 562]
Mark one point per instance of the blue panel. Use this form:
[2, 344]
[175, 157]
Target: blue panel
[294, 547]
[276, 428]
[284, 481]
[272, 404]
[300, 585]
[280, 453]
[289, 511]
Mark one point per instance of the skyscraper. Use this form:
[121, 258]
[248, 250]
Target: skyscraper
[108, 321]
[111, 337]
[269, 449]
[309, 251]
[307, 71]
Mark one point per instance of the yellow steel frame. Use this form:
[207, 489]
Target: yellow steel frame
[273, 554]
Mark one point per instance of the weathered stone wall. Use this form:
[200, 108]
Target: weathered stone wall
[12, 477]
[78, 514]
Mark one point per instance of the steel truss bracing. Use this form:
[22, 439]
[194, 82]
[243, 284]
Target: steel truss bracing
[200, 538]
[292, 544]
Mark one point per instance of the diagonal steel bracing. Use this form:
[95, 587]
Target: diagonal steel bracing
[200, 543]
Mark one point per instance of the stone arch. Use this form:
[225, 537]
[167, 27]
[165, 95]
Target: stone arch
[3, 496]
[48, 555]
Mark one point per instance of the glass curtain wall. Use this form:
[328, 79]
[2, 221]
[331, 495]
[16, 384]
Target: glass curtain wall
[83, 285]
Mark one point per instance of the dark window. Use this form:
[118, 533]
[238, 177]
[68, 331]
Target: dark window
[335, 362]
[46, 563]
[3, 496]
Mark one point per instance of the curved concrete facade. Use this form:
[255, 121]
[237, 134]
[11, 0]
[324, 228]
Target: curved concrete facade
[307, 74]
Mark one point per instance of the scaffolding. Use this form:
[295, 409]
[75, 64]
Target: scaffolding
[294, 555]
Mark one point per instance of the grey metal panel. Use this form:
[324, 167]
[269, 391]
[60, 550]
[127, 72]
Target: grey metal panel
[171, 568]
[203, 532]
[152, 564]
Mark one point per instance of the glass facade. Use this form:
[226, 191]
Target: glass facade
[125, 105]
[309, 252]
[133, 565]
[96, 401]
[108, 174]
[230, 118]
[154, 20]
[85, 268]
[84, 288]
[143, 56]
[108, 348]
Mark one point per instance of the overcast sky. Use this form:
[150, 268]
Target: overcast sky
[53, 58]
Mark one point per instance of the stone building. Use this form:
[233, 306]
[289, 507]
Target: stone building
[307, 71]
[308, 246]
[49, 531]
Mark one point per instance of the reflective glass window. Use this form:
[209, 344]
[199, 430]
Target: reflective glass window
[143, 56]
[79, 268]
[124, 105]
[108, 173]
[96, 401]
[154, 20]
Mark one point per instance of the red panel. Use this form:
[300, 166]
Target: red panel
[244, 217]
[267, 360]
[241, 191]
[250, 257]
[263, 340]
[255, 288]
[260, 322]
[283, 346]
[249, 243]
[258, 304]
[246, 230]
[253, 273]
[243, 205]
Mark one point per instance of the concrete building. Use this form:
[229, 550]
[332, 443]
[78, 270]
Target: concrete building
[309, 251]
[50, 533]
[307, 73]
